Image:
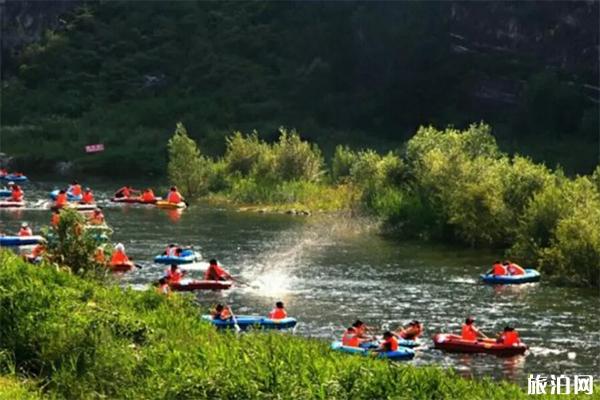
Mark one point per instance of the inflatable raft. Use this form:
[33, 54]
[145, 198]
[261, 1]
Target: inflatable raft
[401, 342]
[252, 321]
[126, 267]
[402, 353]
[531, 275]
[133, 200]
[190, 285]
[170, 206]
[188, 256]
[8, 241]
[11, 204]
[70, 196]
[14, 178]
[78, 207]
[454, 343]
[5, 192]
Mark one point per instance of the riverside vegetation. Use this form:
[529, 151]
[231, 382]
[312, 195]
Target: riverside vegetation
[75, 336]
[448, 185]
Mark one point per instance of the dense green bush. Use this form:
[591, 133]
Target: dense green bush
[297, 159]
[187, 168]
[82, 340]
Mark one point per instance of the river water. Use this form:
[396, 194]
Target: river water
[331, 270]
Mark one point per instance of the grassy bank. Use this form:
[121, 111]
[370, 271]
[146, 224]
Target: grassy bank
[82, 339]
[446, 185]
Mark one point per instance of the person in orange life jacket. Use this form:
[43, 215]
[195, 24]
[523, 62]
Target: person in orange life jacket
[221, 312]
[361, 330]
[410, 332]
[174, 274]
[119, 257]
[174, 196]
[61, 199]
[514, 269]
[36, 253]
[350, 338]
[16, 193]
[469, 331]
[55, 219]
[509, 336]
[148, 196]
[163, 287]
[99, 256]
[390, 343]
[126, 191]
[88, 197]
[498, 269]
[215, 272]
[75, 189]
[97, 217]
[278, 312]
[25, 230]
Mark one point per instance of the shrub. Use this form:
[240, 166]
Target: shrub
[243, 152]
[297, 159]
[342, 162]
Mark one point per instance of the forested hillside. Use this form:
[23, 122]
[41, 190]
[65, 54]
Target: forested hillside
[361, 74]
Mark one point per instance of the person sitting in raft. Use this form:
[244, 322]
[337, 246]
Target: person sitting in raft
[148, 196]
[88, 197]
[413, 330]
[469, 331]
[174, 274]
[55, 219]
[119, 257]
[16, 193]
[126, 192]
[509, 336]
[75, 189]
[216, 272]
[361, 330]
[162, 287]
[61, 199]
[498, 269]
[174, 196]
[36, 253]
[221, 313]
[99, 256]
[25, 230]
[350, 338]
[514, 269]
[278, 312]
[390, 343]
[173, 250]
[97, 217]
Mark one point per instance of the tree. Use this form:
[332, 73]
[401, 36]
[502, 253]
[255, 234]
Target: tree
[187, 168]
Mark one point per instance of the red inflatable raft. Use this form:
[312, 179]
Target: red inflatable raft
[121, 267]
[456, 344]
[191, 285]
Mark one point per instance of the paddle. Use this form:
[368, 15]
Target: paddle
[237, 327]
[138, 266]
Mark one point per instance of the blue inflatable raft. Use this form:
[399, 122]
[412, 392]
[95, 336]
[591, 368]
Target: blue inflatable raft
[5, 192]
[531, 275]
[401, 342]
[13, 241]
[253, 321]
[70, 196]
[402, 353]
[14, 178]
[187, 256]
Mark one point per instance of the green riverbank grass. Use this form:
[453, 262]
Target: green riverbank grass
[81, 339]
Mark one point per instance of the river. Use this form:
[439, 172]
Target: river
[331, 270]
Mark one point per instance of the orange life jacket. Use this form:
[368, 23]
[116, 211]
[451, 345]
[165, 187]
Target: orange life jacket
[37, 250]
[148, 196]
[468, 333]
[17, 194]
[174, 276]
[278, 313]
[119, 258]
[223, 315]
[99, 256]
[390, 344]
[55, 219]
[174, 197]
[61, 200]
[515, 269]
[215, 272]
[88, 198]
[510, 338]
[499, 269]
[97, 219]
[75, 190]
[350, 339]
[25, 231]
